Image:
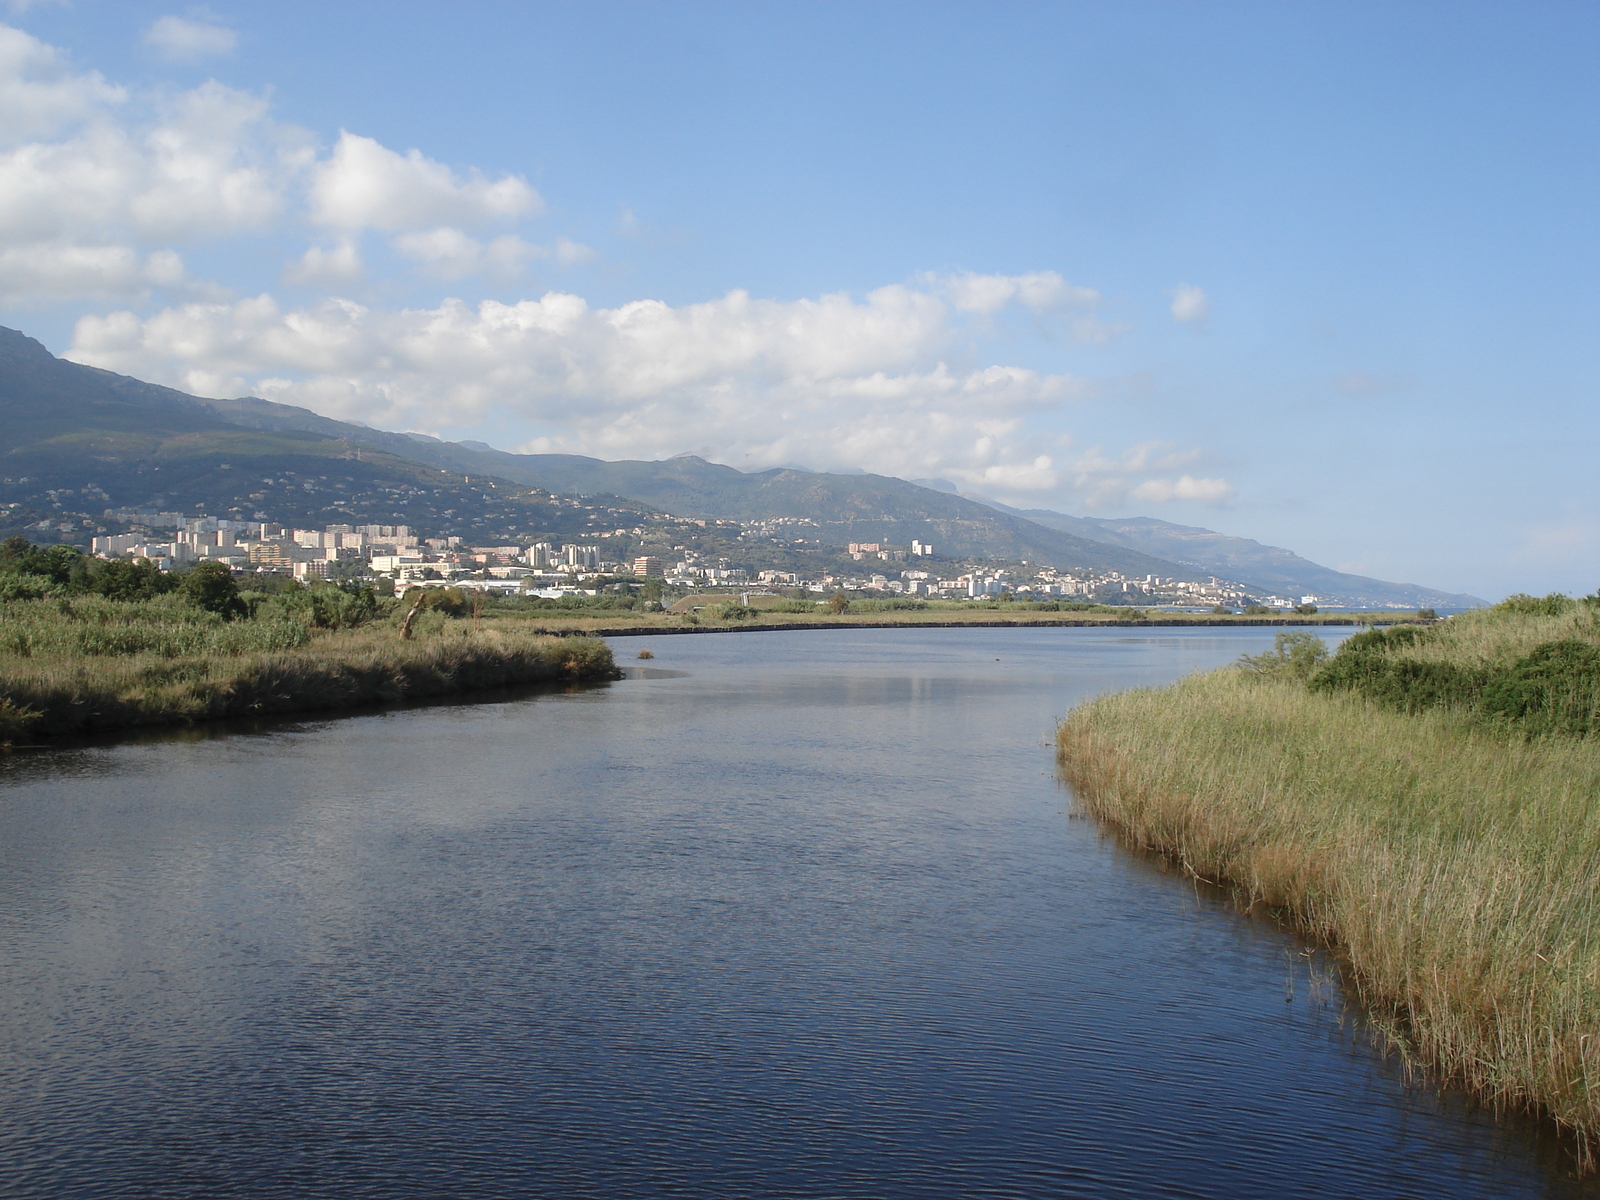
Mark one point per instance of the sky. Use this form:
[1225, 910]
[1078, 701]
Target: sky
[1319, 274]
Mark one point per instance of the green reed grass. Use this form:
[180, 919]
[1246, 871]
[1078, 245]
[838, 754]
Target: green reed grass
[67, 682]
[167, 627]
[1456, 865]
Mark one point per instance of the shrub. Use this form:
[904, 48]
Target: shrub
[210, 586]
[1294, 653]
[1523, 605]
[1555, 689]
[127, 579]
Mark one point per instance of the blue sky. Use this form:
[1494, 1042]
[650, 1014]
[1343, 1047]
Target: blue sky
[1318, 274]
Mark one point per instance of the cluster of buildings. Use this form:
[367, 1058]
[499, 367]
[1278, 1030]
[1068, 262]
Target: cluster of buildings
[547, 568]
[390, 551]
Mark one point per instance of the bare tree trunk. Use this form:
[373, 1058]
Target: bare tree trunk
[416, 607]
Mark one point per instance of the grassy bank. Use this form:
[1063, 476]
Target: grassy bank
[724, 617]
[85, 664]
[1425, 801]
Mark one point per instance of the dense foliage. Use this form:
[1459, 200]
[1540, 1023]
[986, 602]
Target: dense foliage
[1530, 662]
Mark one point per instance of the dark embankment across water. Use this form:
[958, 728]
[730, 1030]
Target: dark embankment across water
[1427, 801]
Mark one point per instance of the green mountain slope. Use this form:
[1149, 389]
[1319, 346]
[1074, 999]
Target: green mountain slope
[77, 440]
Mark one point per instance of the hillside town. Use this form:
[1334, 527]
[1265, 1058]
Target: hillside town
[400, 556]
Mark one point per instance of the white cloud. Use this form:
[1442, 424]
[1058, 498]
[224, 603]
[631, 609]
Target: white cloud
[570, 252]
[101, 188]
[46, 271]
[1142, 473]
[835, 380]
[1190, 304]
[104, 179]
[327, 266]
[39, 94]
[364, 184]
[447, 253]
[190, 39]
[1185, 487]
[1041, 291]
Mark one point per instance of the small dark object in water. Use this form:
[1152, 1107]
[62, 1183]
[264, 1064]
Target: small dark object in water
[646, 654]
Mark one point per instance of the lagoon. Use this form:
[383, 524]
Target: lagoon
[779, 914]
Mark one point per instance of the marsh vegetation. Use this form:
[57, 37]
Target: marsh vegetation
[77, 656]
[1427, 800]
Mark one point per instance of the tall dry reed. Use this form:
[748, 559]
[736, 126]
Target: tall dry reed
[1457, 867]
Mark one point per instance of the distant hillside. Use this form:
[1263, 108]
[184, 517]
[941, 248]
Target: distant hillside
[74, 439]
[77, 438]
[1270, 568]
[844, 508]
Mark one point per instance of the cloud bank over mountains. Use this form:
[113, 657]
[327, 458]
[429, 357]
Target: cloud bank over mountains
[108, 195]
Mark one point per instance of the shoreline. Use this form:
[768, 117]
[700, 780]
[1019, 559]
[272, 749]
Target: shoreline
[1071, 623]
[1444, 854]
[356, 671]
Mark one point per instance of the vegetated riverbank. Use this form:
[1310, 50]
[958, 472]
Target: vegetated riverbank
[730, 616]
[81, 664]
[1427, 800]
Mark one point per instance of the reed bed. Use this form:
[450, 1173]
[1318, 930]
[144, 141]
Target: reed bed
[1456, 865]
[64, 692]
[166, 627]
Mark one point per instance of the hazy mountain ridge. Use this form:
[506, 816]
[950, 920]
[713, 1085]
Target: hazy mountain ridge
[1271, 568]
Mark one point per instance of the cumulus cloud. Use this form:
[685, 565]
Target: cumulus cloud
[1143, 473]
[101, 188]
[50, 271]
[834, 380]
[365, 185]
[190, 39]
[333, 266]
[103, 179]
[1190, 304]
[39, 92]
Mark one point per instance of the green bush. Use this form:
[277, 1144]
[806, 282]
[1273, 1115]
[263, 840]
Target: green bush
[1523, 605]
[1294, 653]
[1555, 689]
[210, 586]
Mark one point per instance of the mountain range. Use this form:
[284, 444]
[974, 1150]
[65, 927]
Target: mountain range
[86, 432]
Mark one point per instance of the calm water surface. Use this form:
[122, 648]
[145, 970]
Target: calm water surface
[789, 914]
